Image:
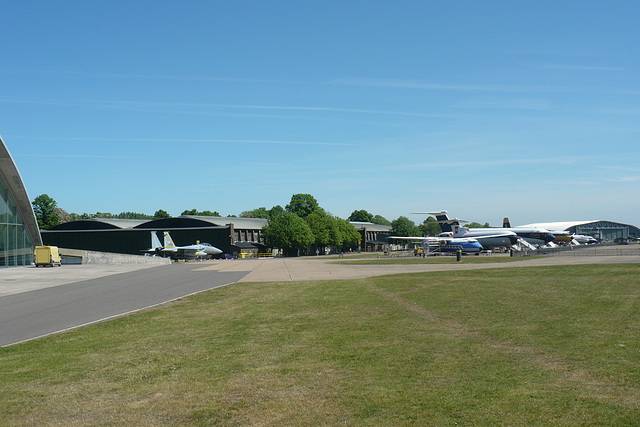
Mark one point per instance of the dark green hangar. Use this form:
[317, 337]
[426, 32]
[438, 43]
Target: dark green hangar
[231, 235]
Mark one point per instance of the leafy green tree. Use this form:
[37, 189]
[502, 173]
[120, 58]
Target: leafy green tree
[430, 227]
[132, 215]
[336, 235]
[302, 205]
[275, 211]
[377, 219]
[63, 216]
[361, 216]
[199, 213]
[348, 233]
[102, 215]
[261, 212]
[289, 232]
[161, 214]
[477, 225]
[44, 208]
[404, 227]
[320, 225]
[77, 217]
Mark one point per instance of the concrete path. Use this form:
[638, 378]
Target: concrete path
[321, 268]
[23, 279]
[32, 314]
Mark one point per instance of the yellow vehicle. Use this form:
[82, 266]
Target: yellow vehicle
[47, 256]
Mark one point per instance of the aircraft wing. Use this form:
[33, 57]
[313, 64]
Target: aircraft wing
[511, 236]
[188, 251]
[494, 235]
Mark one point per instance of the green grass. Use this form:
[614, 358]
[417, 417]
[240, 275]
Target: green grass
[527, 346]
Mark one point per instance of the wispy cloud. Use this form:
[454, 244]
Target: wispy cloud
[508, 104]
[574, 67]
[461, 87]
[85, 156]
[204, 108]
[625, 179]
[185, 141]
[77, 74]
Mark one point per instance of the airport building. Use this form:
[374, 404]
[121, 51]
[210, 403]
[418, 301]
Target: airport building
[604, 231]
[373, 237]
[19, 232]
[235, 236]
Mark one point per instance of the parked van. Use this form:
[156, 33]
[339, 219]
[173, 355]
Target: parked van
[47, 256]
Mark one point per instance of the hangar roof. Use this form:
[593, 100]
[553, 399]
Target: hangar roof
[243, 223]
[370, 226]
[560, 225]
[184, 221]
[100, 224]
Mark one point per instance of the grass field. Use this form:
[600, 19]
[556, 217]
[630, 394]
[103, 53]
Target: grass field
[526, 346]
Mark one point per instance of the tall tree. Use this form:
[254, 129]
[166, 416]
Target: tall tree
[288, 231]
[275, 211]
[261, 212]
[377, 219]
[302, 204]
[475, 224]
[44, 208]
[350, 236]
[161, 214]
[361, 216]
[404, 227]
[63, 216]
[430, 227]
[196, 212]
[320, 226]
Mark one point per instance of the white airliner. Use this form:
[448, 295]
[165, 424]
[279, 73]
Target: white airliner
[534, 235]
[584, 239]
[487, 237]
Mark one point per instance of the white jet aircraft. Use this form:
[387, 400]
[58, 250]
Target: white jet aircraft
[197, 250]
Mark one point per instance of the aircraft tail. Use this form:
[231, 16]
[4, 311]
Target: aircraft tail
[168, 241]
[155, 242]
[443, 220]
[506, 223]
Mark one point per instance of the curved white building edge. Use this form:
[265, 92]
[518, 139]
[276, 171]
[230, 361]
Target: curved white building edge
[19, 232]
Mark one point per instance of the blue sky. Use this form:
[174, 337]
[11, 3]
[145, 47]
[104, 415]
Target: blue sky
[487, 109]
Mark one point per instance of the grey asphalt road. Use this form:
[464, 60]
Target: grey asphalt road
[29, 315]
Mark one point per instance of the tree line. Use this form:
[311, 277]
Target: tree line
[301, 227]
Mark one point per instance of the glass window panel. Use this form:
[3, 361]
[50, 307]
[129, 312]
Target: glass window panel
[13, 236]
[11, 210]
[3, 245]
[3, 202]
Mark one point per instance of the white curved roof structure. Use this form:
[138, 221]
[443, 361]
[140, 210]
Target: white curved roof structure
[11, 178]
[558, 226]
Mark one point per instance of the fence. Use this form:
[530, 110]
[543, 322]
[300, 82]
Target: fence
[586, 250]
